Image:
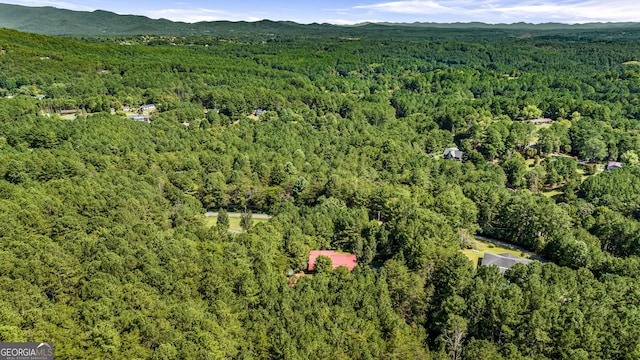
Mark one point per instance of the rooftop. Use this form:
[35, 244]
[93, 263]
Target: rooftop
[502, 261]
[337, 259]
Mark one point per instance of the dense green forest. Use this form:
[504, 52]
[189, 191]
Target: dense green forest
[104, 246]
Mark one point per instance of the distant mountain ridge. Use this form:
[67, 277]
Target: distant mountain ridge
[62, 22]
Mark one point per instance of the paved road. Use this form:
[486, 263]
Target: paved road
[238, 215]
[510, 246]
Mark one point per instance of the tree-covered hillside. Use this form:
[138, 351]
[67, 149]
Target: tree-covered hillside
[49, 20]
[106, 253]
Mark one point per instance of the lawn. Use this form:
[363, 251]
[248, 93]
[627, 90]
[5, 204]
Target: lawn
[234, 222]
[552, 193]
[482, 247]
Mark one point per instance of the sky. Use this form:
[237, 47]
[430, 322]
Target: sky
[358, 11]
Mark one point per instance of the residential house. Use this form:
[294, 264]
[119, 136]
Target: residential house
[502, 261]
[453, 154]
[337, 259]
[258, 112]
[541, 121]
[148, 107]
[613, 165]
[145, 118]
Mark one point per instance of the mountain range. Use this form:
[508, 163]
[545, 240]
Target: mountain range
[61, 22]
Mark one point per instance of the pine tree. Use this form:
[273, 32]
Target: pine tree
[222, 223]
[246, 221]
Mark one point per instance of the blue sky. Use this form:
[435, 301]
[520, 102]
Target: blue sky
[357, 11]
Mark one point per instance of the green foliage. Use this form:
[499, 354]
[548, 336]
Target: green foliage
[323, 265]
[515, 168]
[102, 240]
[618, 190]
[246, 221]
[222, 221]
[630, 157]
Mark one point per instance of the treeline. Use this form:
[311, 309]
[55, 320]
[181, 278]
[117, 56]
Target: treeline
[101, 217]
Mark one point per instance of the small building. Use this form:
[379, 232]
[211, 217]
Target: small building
[613, 165]
[453, 154]
[258, 112]
[68, 112]
[126, 109]
[502, 261]
[540, 121]
[337, 259]
[40, 96]
[148, 107]
[145, 118]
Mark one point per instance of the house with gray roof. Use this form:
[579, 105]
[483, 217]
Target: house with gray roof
[453, 153]
[613, 165]
[145, 118]
[502, 261]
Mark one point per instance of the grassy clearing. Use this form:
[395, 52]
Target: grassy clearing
[543, 126]
[535, 138]
[552, 193]
[481, 247]
[234, 222]
[583, 173]
[633, 62]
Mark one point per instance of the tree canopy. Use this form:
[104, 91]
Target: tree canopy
[106, 251]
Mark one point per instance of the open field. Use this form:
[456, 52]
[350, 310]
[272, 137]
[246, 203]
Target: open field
[481, 247]
[234, 221]
[552, 193]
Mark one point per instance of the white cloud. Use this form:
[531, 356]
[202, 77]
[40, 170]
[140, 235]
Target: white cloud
[585, 11]
[490, 11]
[408, 7]
[504, 10]
[188, 15]
[198, 15]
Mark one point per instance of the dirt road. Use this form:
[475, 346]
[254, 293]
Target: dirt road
[238, 215]
[510, 246]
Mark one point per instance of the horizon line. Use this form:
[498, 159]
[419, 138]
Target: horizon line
[360, 23]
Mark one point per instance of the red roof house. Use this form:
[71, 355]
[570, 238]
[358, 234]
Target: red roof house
[348, 260]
